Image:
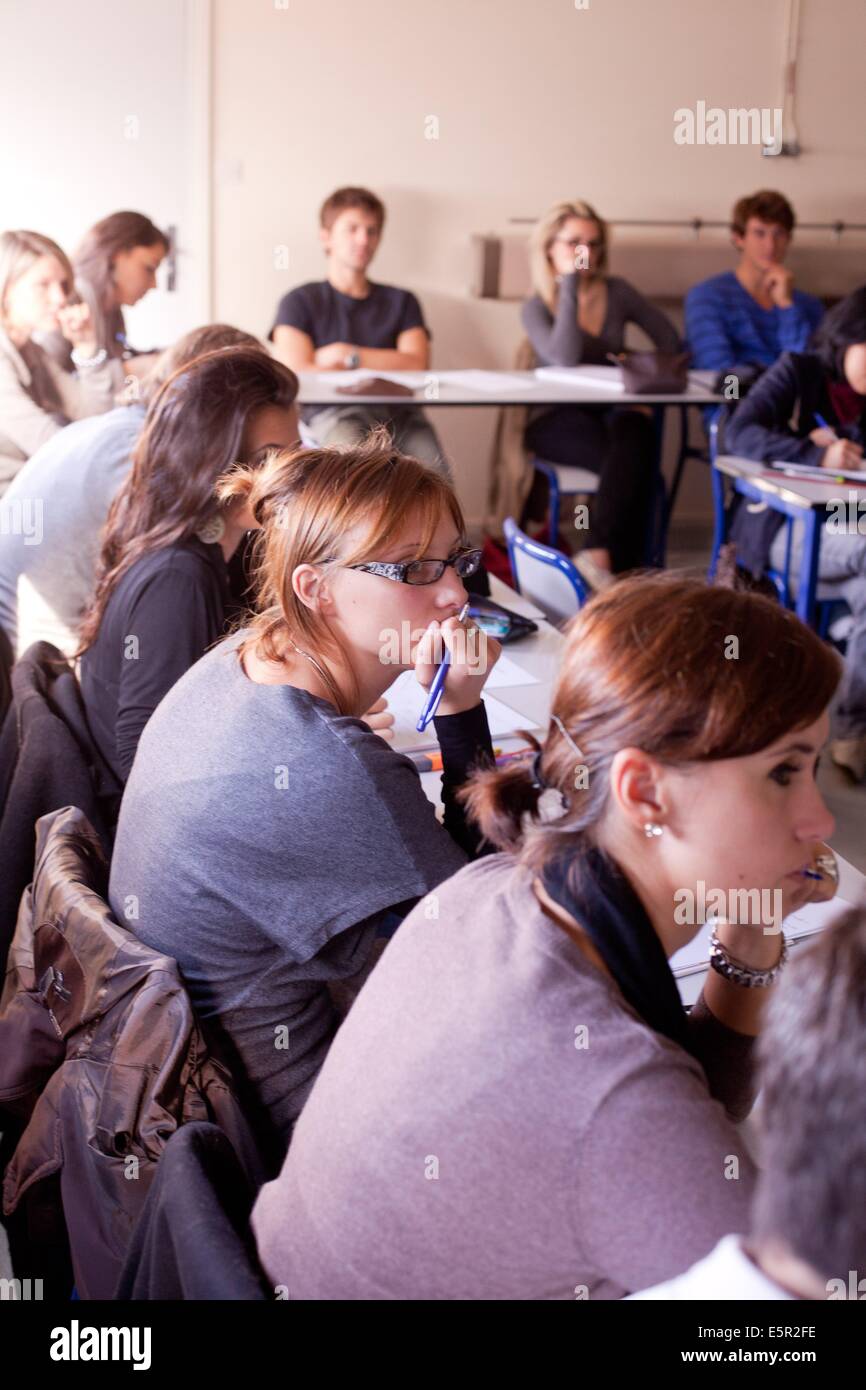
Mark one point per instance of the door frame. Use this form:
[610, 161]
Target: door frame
[199, 48]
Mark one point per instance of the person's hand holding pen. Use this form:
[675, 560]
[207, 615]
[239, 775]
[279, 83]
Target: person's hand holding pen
[816, 883]
[842, 453]
[838, 453]
[472, 654]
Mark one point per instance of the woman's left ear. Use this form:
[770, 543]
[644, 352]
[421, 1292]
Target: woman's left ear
[311, 587]
[635, 787]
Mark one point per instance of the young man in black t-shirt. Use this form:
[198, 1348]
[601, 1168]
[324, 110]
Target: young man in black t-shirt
[348, 321]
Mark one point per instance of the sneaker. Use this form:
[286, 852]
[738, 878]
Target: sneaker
[850, 753]
[593, 574]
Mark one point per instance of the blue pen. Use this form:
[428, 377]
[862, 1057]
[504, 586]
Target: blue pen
[824, 425]
[431, 704]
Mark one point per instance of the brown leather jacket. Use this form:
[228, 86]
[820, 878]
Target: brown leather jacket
[100, 1054]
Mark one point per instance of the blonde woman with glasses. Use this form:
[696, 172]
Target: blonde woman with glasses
[578, 316]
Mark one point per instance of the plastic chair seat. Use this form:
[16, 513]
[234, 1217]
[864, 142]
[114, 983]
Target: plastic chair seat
[569, 479]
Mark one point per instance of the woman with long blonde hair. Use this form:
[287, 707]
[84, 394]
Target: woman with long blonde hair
[267, 835]
[578, 316]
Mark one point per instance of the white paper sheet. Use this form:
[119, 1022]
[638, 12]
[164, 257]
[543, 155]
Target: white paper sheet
[608, 377]
[406, 701]
[474, 380]
[810, 919]
[507, 673]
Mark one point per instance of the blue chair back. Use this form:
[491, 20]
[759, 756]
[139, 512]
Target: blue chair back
[544, 575]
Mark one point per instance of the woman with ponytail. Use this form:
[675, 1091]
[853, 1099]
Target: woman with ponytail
[518, 1106]
[267, 836]
[162, 588]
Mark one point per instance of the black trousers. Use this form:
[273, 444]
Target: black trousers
[619, 445]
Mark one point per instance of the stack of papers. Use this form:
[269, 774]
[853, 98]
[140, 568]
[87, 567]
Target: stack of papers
[609, 377]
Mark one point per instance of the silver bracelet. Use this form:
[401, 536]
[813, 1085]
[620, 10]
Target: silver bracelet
[740, 974]
[95, 361]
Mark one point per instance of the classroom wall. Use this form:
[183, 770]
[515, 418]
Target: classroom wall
[99, 110]
[535, 100]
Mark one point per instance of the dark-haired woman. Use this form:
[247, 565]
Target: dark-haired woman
[517, 1106]
[162, 590]
[115, 266]
[828, 381]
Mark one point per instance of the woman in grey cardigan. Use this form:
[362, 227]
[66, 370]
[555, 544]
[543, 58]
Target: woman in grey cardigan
[37, 397]
[577, 316]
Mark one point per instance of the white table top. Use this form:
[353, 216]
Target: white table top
[587, 386]
[540, 654]
[809, 496]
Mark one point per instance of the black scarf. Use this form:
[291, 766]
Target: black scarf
[611, 913]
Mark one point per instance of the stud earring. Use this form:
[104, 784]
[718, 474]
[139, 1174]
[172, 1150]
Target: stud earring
[652, 830]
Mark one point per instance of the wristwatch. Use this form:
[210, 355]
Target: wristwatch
[352, 360]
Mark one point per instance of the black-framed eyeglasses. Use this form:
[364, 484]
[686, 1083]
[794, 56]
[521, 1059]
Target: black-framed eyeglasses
[422, 571]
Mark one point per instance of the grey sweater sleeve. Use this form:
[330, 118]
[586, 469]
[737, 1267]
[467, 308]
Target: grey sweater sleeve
[558, 341]
[728, 1058]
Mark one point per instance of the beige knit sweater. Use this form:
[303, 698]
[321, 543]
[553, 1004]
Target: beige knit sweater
[37, 398]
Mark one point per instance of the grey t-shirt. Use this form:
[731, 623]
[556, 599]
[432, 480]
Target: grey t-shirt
[52, 514]
[494, 1122]
[261, 835]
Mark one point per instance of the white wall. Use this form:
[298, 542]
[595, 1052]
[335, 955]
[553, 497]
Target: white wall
[99, 111]
[536, 100]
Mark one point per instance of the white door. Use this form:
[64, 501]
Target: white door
[103, 107]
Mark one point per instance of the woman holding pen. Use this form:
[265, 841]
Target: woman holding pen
[267, 835]
[824, 392]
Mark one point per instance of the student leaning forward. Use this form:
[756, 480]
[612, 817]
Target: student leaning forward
[267, 834]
